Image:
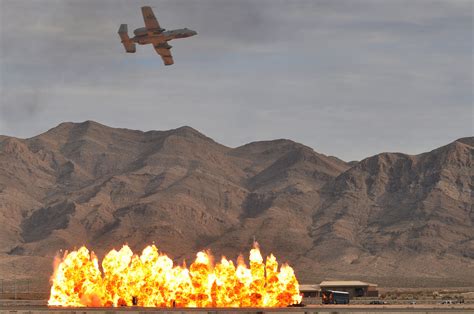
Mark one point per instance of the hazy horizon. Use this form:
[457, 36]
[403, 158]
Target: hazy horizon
[263, 139]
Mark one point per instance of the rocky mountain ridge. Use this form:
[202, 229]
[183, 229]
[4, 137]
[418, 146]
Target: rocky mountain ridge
[384, 217]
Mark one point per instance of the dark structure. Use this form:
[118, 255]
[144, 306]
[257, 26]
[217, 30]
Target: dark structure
[354, 287]
[334, 297]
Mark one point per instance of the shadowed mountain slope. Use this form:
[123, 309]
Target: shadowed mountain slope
[403, 214]
[86, 183]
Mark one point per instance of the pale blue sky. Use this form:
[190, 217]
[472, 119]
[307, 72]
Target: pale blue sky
[347, 78]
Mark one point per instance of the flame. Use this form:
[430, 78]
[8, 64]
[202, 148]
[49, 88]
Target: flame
[151, 280]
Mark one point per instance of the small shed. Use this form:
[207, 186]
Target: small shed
[311, 293]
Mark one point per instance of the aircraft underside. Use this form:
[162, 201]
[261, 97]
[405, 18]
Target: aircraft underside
[153, 34]
[150, 40]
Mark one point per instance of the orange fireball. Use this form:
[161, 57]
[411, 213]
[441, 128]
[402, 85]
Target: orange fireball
[151, 280]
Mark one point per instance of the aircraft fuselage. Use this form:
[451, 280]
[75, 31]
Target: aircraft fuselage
[144, 36]
[152, 34]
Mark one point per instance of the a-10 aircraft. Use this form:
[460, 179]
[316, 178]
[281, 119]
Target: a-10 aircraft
[153, 34]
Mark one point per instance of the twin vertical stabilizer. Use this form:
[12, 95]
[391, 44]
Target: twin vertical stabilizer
[127, 43]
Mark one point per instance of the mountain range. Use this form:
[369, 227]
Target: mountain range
[393, 219]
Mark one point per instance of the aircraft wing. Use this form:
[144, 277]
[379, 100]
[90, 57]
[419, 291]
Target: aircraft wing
[151, 23]
[164, 50]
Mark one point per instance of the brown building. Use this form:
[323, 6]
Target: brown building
[354, 287]
[311, 294]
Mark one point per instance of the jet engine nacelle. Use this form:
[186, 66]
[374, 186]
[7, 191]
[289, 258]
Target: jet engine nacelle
[142, 31]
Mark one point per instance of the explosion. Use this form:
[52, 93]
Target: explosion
[151, 280]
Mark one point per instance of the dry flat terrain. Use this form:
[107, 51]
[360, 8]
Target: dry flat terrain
[396, 219]
[333, 309]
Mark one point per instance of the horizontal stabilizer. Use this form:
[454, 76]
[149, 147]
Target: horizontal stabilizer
[127, 43]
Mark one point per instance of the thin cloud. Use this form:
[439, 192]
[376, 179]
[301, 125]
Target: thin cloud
[349, 78]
